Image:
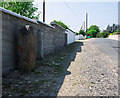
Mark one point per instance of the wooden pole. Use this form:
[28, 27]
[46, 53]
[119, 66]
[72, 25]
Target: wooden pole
[43, 10]
[84, 26]
[86, 23]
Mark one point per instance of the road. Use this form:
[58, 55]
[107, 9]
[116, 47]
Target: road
[94, 72]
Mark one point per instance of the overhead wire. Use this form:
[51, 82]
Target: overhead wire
[72, 12]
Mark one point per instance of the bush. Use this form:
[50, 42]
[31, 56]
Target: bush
[102, 35]
[76, 33]
[115, 33]
[92, 33]
[117, 30]
[111, 33]
[82, 32]
[99, 35]
[93, 30]
[61, 24]
[105, 34]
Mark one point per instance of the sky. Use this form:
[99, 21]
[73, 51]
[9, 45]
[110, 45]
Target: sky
[72, 12]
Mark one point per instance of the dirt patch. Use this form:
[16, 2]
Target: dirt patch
[46, 79]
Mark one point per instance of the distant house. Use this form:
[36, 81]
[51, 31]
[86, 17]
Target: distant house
[70, 36]
[78, 37]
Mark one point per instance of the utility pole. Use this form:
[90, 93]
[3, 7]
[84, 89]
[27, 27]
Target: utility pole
[84, 26]
[43, 10]
[86, 23]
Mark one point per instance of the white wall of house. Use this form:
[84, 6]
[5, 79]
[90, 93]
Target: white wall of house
[70, 36]
[77, 37]
[114, 37]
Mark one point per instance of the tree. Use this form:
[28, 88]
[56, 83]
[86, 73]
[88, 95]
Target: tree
[93, 30]
[82, 32]
[61, 24]
[109, 29]
[94, 27]
[118, 27]
[113, 28]
[23, 8]
[92, 33]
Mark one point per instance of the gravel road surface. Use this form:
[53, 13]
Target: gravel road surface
[94, 72]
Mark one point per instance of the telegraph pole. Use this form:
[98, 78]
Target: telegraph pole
[86, 23]
[84, 26]
[43, 10]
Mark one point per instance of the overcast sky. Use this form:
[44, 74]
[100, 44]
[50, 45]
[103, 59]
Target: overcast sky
[73, 13]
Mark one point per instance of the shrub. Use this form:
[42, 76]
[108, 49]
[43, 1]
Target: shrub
[99, 35]
[117, 30]
[82, 32]
[93, 30]
[92, 33]
[105, 34]
[61, 24]
[111, 33]
[102, 35]
[116, 33]
[76, 33]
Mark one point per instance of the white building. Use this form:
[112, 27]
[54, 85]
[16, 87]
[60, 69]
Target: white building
[79, 37]
[70, 36]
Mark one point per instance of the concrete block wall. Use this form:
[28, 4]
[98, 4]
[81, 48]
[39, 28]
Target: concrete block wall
[49, 38]
[59, 37]
[46, 39]
[114, 37]
[10, 28]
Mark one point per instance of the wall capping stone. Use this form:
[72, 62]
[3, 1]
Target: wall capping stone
[23, 17]
[45, 24]
[70, 30]
[16, 15]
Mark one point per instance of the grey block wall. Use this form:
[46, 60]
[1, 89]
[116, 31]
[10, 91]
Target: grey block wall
[10, 29]
[48, 39]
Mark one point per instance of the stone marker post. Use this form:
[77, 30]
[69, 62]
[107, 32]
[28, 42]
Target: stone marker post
[27, 49]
